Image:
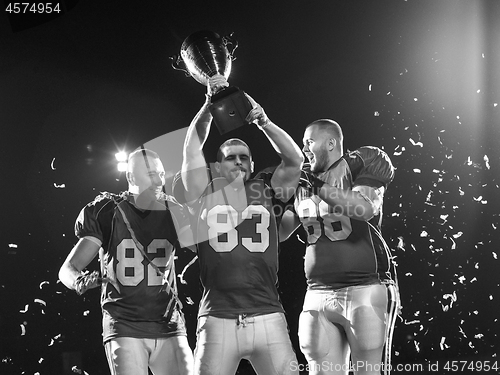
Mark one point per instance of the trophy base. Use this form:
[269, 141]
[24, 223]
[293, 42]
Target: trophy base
[229, 108]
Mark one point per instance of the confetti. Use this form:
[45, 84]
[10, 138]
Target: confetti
[442, 344]
[420, 144]
[41, 302]
[43, 283]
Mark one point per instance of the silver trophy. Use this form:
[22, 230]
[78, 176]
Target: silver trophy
[204, 54]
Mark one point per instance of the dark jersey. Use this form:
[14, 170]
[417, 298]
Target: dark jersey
[342, 251]
[237, 243]
[137, 302]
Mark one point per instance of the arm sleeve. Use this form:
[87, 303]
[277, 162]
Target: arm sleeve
[372, 167]
[86, 224]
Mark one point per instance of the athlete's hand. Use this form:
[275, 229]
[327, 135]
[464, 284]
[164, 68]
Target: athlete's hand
[215, 84]
[87, 281]
[257, 114]
[310, 182]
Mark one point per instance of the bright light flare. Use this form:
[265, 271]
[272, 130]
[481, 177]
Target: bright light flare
[121, 156]
[122, 166]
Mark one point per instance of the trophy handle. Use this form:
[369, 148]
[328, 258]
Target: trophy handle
[179, 64]
[229, 40]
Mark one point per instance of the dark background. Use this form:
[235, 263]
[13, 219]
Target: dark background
[420, 79]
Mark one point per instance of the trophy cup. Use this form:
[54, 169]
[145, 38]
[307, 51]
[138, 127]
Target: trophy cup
[204, 54]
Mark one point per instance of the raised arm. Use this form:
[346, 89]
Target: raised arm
[194, 166]
[286, 176]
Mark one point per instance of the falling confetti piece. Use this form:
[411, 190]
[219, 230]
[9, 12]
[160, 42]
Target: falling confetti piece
[41, 302]
[62, 186]
[442, 344]
[420, 144]
[416, 170]
[13, 245]
[454, 245]
[417, 346]
[181, 275]
[52, 164]
[79, 371]
[401, 243]
[43, 283]
[25, 309]
[23, 330]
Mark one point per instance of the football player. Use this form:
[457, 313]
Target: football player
[348, 266]
[236, 219]
[143, 326]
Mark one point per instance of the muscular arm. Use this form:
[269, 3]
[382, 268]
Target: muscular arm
[193, 172]
[289, 224]
[286, 176]
[80, 257]
[374, 173]
[360, 203]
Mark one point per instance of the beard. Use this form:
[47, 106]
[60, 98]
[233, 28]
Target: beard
[320, 161]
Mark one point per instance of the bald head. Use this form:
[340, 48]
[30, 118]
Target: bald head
[328, 128]
[145, 172]
[323, 144]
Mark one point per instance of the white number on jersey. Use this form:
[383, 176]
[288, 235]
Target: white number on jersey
[130, 267]
[334, 226]
[223, 219]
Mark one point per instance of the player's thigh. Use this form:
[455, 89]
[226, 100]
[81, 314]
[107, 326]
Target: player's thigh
[127, 356]
[216, 351]
[172, 356]
[273, 353]
[368, 319]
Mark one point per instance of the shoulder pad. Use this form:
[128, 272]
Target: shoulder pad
[375, 165]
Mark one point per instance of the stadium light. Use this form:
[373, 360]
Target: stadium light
[121, 157]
